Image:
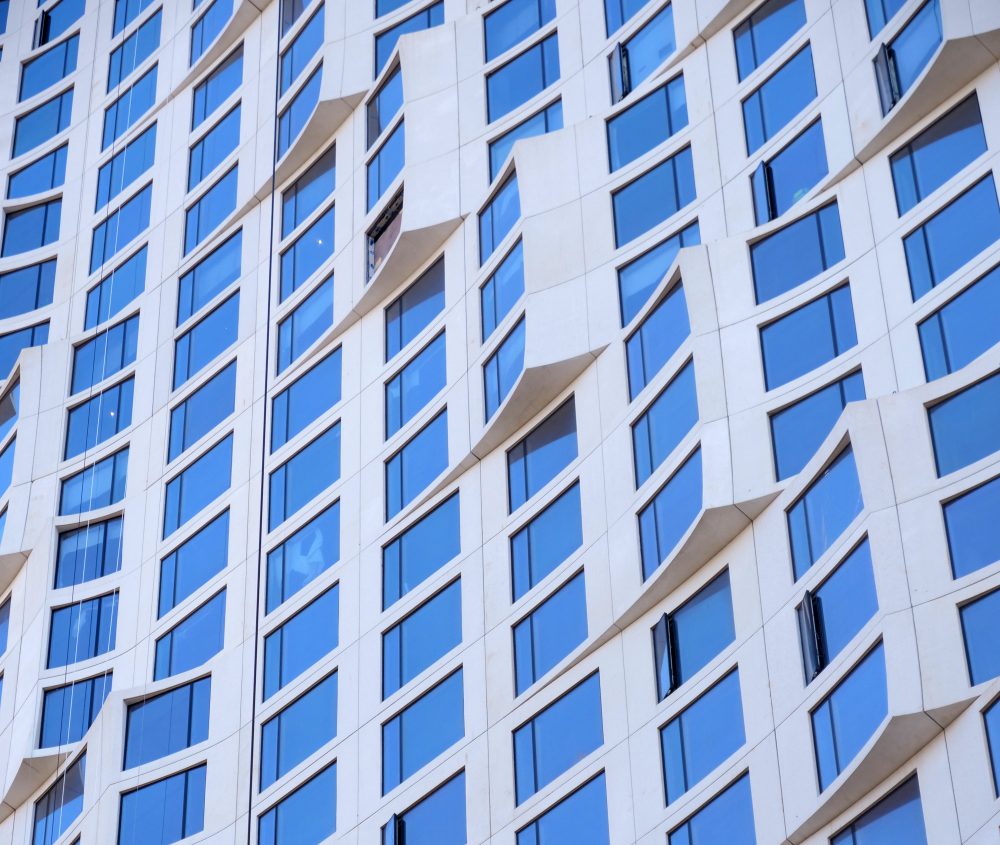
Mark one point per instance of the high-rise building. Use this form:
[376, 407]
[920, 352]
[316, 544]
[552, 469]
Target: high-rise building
[530, 422]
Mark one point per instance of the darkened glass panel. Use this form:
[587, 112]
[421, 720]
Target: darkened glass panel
[209, 277]
[27, 288]
[499, 217]
[413, 387]
[293, 119]
[105, 354]
[979, 625]
[89, 552]
[385, 105]
[503, 368]
[667, 421]
[308, 192]
[9, 407]
[414, 309]
[167, 723]
[208, 27]
[202, 411]
[880, 12]
[13, 342]
[194, 563]
[297, 644]
[544, 453]
[512, 22]
[558, 737]
[792, 255]
[82, 630]
[652, 198]
[46, 173]
[727, 818]
[210, 93]
[656, 339]
[42, 123]
[965, 427]
[4, 625]
[116, 290]
[760, 36]
[306, 399]
[95, 486]
[634, 60]
[992, 719]
[550, 632]
[68, 711]
[129, 108]
[973, 533]
[773, 104]
[647, 124]
[546, 541]
[213, 147]
[125, 167]
[952, 237]
[421, 638]
[300, 559]
[789, 175]
[307, 322]
[7, 465]
[547, 120]
[420, 551]
[422, 730]
[165, 811]
[900, 63]
[304, 476]
[61, 804]
[849, 716]
[194, 640]
[522, 78]
[134, 50]
[31, 228]
[798, 430]
[306, 816]
[48, 68]
[582, 816]
[670, 513]
[437, 819]
[416, 465]
[120, 228]
[298, 731]
[205, 341]
[502, 289]
[702, 736]
[311, 249]
[196, 486]
[385, 42]
[297, 55]
[897, 818]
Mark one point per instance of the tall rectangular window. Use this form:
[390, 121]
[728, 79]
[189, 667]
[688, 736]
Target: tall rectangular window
[297, 55]
[99, 418]
[421, 638]
[769, 27]
[774, 103]
[512, 22]
[546, 541]
[413, 387]
[436, 819]
[193, 641]
[304, 476]
[206, 340]
[96, 486]
[292, 119]
[313, 248]
[656, 339]
[880, 12]
[670, 513]
[306, 399]
[420, 551]
[687, 639]
[208, 27]
[898, 817]
[31, 228]
[422, 459]
[214, 147]
[582, 816]
[502, 289]
[992, 719]
[647, 123]
[549, 633]
[387, 164]
[308, 192]
[385, 42]
[212, 208]
[61, 804]
[42, 123]
[415, 309]
[83, 630]
[665, 423]
[899, 64]
[422, 731]
[116, 290]
[849, 716]
[498, 217]
[125, 167]
[165, 811]
[120, 228]
[196, 486]
[973, 536]
[385, 105]
[634, 60]
[522, 78]
[728, 818]
[209, 277]
[89, 552]
[4, 625]
[44, 174]
[298, 731]
[48, 68]
[616, 14]
[979, 628]
[69, 710]
[547, 120]
[303, 557]
[304, 639]
[129, 108]
[7, 465]
[217, 87]
[653, 197]
[193, 563]
[27, 288]
[127, 11]
[964, 427]
[789, 174]
[309, 813]
[202, 411]
[166, 723]
[307, 322]
[544, 453]
[702, 736]
[503, 368]
[134, 50]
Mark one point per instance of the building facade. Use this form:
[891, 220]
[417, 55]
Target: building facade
[527, 422]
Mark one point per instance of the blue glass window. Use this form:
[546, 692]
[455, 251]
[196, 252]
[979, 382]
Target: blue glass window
[900, 63]
[513, 22]
[848, 717]
[305, 400]
[31, 228]
[220, 84]
[117, 290]
[687, 639]
[134, 50]
[503, 368]
[296, 645]
[129, 108]
[46, 173]
[207, 28]
[880, 12]
[416, 465]
[502, 289]
[304, 476]
[522, 78]
[120, 228]
[413, 387]
[7, 465]
[309, 814]
[547, 120]
[105, 354]
[992, 719]
[498, 218]
[765, 31]
[808, 337]
[640, 277]
[546, 541]
[550, 632]
[298, 731]
[775, 102]
[297, 55]
[420, 551]
[300, 559]
[796, 253]
[386, 165]
[789, 175]
[27, 288]
[436, 819]
[544, 453]
[127, 11]
[293, 119]
[197, 485]
[61, 804]
[42, 123]
[896, 818]
[728, 818]
[422, 731]
[653, 197]
[558, 737]
[670, 513]
[165, 811]
[209, 277]
[305, 324]
[384, 7]
[13, 342]
[798, 430]
[167, 723]
[89, 552]
[68, 711]
[702, 736]
[634, 60]
[666, 422]
[55, 20]
[421, 638]
[952, 237]
[308, 192]
[289, 11]
[214, 206]
[48, 68]
[616, 14]
[193, 641]
[125, 167]
[99, 418]
[206, 340]
[194, 563]
[214, 147]
[415, 309]
[4, 625]
[309, 252]
[9, 407]
[202, 411]
[938, 153]
[979, 627]
[831, 615]
[647, 124]
[385, 105]
[96, 486]
[973, 536]
[964, 427]
[385, 42]
[824, 511]
[83, 630]
[582, 816]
